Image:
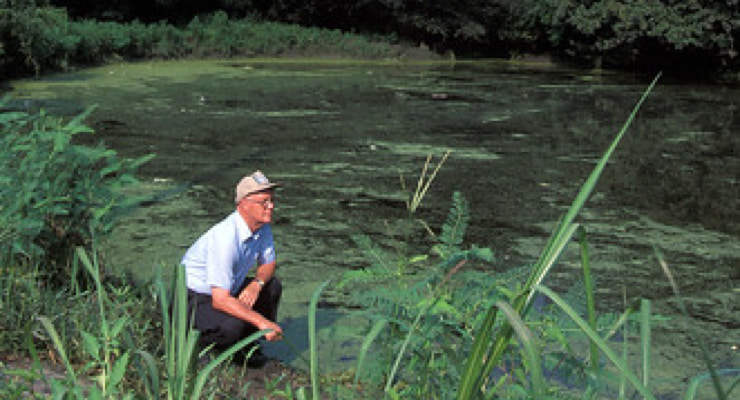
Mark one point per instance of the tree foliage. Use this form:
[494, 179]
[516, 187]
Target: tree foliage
[652, 34]
[638, 29]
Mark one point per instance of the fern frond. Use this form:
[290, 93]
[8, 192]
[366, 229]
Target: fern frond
[378, 257]
[363, 276]
[453, 230]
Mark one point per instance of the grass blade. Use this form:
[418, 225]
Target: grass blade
[721, 394]
[693, 387]
[374, 332]
[149, 374]
[202, 376]
[397, 363]
[589, 288]
[645, 341]
[593, 336]
[476, 358]
[314, 356]
[625, 341]
[529, 349]
[54, 335]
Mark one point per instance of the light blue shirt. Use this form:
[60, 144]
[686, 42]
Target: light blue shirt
[223, 255]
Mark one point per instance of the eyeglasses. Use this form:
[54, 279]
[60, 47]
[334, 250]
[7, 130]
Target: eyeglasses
[264, 203]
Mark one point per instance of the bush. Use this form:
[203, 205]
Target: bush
[37, 39]
[54, 194]
[627, 32]
[33, 37]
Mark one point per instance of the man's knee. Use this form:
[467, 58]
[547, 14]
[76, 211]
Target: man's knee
[233, 330]
[274, 287]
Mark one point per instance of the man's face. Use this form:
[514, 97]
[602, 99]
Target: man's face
[259, 207]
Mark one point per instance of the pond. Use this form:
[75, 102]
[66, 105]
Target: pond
[523, 137]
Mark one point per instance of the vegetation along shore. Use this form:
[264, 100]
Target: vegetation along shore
[436, 322]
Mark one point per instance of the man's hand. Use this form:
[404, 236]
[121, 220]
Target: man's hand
[249, 295]
[277, 331]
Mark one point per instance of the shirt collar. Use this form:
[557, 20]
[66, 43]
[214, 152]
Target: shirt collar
[242, 229]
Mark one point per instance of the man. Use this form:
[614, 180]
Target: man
[228, 305]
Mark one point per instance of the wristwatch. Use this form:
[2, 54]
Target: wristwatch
[259, 282]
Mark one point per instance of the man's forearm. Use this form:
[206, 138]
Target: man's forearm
[223, 301]
[265, 272]
[232, 306]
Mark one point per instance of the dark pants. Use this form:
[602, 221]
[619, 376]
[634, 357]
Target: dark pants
[223, 329]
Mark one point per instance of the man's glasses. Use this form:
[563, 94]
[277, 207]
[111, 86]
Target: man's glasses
[264, 203]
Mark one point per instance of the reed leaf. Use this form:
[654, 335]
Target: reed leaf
[526, 338]
[645, 341]
[589, 289]
[554, 247]
[476, 360]
[59, 345]
[693, 388]
[313, 343]
[202, 377]
[369, 338]
[594, 336]
[721, 394]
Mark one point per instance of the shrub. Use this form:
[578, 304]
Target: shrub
[55, 194]
[33, 37]
[628, 31]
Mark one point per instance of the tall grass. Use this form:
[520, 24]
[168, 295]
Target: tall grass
[181, 346]
[713, 373]
[109, 359]
[488, 352]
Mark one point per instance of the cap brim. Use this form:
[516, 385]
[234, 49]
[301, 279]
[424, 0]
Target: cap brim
[262, 188]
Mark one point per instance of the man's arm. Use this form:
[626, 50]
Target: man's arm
[249, 295]
[265, 272]
[225, 302]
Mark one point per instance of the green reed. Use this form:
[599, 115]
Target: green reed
[108, 357]
[314, 354]
[713, 373]
[175, 377]
[488, 352]
[184, 380]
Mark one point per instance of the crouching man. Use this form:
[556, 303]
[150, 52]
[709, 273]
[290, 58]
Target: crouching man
[228, 305]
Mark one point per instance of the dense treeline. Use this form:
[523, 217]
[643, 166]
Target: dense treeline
[693, 36]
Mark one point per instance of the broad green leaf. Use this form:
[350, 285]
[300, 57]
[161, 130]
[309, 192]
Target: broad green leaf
[91, 345]
[94, 393]
[118, 326]
[118, 371]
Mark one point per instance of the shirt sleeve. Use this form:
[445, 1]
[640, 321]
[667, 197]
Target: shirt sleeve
[219, 261]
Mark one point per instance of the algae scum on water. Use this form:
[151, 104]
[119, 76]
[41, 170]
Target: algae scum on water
[522, 139]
